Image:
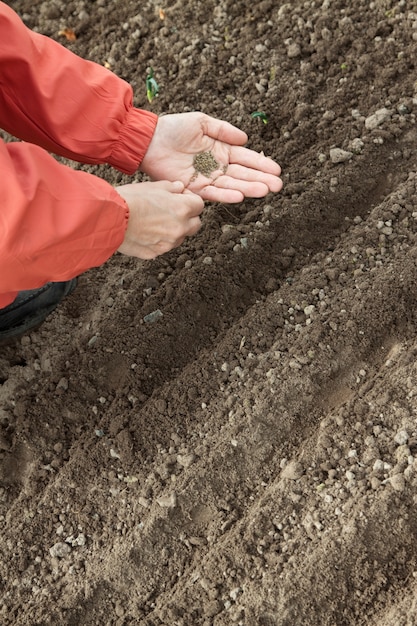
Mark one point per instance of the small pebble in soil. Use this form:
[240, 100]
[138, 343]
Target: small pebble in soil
[377, 118]
[397, 482]
[401, 437]
[79, 540]
[167, 502]
[152, 317]
[292, 471]
[59, 550]
[337, 155]
[185, 460]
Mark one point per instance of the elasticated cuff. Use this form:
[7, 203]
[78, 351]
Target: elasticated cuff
[133, 141]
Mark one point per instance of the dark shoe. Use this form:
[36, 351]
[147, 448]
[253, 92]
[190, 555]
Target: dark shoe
[31, 307]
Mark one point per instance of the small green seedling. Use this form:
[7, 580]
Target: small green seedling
[152, 87]
[263, 116]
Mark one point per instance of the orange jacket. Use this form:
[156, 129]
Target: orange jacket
[56, 222]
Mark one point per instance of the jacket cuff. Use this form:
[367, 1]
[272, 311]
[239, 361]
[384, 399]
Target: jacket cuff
[133, 141]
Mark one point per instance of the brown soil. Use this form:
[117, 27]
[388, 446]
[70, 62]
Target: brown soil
[248, 454]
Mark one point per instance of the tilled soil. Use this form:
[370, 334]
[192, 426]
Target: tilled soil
[227, 434]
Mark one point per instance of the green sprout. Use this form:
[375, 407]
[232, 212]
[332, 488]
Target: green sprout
[263, 116]
[343, 66]
[152, 87]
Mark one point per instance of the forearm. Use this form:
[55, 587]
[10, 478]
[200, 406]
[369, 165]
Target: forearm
[72, 107]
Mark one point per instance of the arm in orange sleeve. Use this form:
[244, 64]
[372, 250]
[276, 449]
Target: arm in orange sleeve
[69, 106]
[56, 222]
[39, 242]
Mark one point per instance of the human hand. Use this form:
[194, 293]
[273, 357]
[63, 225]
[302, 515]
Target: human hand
[238, 172]
[161, 215]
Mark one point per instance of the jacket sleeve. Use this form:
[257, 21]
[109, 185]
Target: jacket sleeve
[69, 106]
[55, 222]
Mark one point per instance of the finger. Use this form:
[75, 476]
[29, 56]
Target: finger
[246, 174]
[249, 189]
[227, 196]
[194, 226]
[173, 187]
[178, 234]
[223, 131]
[192, 206]
[254, 160]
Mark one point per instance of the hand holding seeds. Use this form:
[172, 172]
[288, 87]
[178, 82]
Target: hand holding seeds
[209, 157]
[161, 215]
